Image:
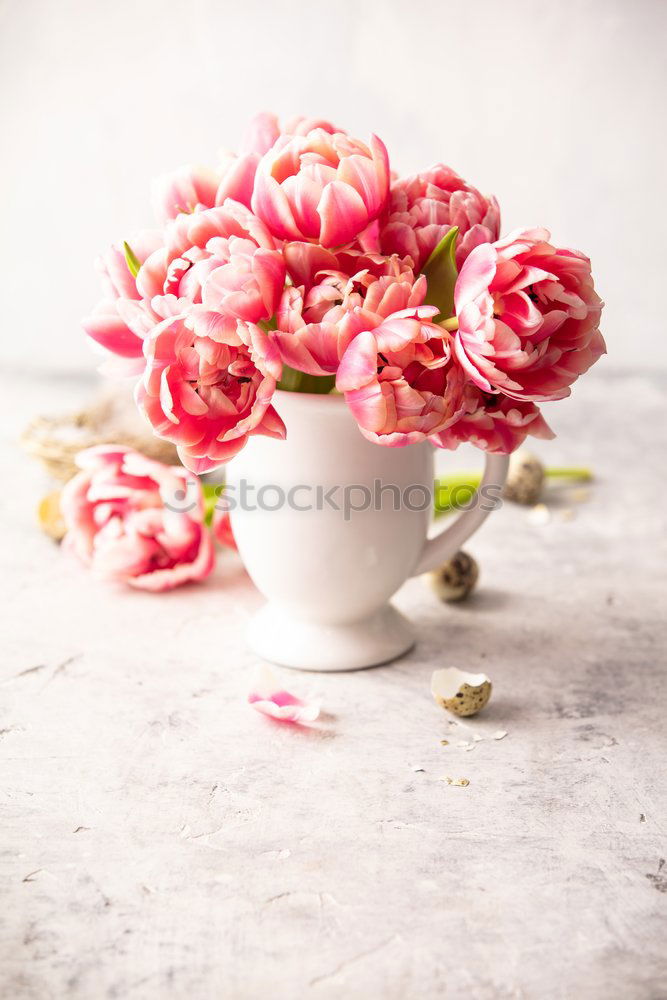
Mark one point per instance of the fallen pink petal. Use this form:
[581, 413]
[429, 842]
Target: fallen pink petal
[271, 699]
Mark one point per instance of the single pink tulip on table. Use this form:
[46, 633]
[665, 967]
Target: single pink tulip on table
[136, 521]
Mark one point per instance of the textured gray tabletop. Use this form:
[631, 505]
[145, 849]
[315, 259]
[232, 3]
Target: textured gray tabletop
[159, 838]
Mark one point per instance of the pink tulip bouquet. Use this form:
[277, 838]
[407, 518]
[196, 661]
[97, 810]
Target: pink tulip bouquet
[304, 264]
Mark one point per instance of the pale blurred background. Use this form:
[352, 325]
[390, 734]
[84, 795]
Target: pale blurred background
[554, 108]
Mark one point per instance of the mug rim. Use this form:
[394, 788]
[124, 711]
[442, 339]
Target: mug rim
[332, 403]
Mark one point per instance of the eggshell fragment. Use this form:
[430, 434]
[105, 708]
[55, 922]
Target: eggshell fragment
[459, 692]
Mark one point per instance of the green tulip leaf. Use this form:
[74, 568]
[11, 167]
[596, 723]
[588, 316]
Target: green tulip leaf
[440, 272]
[131, 259]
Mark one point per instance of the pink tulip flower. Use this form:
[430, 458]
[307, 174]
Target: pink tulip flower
[423, 208]
[338, 297]
[183, 191]
[135, 520]
[401, 382]
[237, 179]
[321, 187]
[225, 238]
[117, 279]
[173, 268]
[244, 282]
[528, 317]
[207, 396]
[120, 331]
[496, 424]
[181, 265]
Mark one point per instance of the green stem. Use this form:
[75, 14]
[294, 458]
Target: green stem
[296, 381]
[212, 493]
[452, 492]
[451, 324]
[577, 473]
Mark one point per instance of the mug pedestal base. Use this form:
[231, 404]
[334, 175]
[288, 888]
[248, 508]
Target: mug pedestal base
[383, 636]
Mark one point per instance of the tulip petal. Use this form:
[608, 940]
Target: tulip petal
[270, 203]
[359, 363]
[476, 275]
[342, 213]
[238, 180]
[110, 331]
[271, 425]
[262, 131]
[270, 698]
[361, 174]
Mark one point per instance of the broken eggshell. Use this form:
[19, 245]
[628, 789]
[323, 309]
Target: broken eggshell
[460, 692]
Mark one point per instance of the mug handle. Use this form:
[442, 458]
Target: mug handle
[448, 541]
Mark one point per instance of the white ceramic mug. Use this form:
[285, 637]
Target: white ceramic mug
[328, 574]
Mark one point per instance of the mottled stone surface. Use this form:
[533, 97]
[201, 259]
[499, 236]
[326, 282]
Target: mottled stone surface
[161, 839]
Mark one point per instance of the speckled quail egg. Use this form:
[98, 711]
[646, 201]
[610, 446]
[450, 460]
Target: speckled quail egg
[454, 580]
[524, 479]
[460, 692]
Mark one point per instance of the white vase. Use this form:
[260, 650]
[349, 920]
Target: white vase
[328, 574]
